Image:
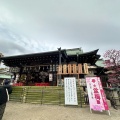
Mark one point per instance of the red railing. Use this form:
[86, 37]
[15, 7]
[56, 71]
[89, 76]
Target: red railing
[42, 84]
[18, 84]
[36, 84]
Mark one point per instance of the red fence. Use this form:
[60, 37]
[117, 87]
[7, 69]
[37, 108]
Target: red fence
[18, 84]
[36, 84]
[42, 84]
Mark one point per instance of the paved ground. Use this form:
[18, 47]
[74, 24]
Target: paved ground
[24, 111]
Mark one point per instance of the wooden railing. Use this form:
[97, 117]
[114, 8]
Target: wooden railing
[43, 95]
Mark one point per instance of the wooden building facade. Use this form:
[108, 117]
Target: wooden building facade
[50, 68]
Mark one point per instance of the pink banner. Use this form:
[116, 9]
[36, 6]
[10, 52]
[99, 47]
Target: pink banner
[97, 98]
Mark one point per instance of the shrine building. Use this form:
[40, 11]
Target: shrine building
[50, 68]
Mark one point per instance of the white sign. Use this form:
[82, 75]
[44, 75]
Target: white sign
[50, 77]
[70, 91]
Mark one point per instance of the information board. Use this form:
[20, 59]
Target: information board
[70, 91]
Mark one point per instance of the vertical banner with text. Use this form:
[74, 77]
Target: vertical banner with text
[70, 91]
[97, 97]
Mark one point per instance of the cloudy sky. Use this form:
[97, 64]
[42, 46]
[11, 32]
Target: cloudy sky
[30, 26]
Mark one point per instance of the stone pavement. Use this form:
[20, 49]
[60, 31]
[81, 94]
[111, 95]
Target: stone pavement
[25, 111]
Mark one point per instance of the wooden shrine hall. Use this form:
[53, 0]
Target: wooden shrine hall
[49, 68]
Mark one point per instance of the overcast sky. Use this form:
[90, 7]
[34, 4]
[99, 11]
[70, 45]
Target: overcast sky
[29, 26]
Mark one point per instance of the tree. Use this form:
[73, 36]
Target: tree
[112, 63]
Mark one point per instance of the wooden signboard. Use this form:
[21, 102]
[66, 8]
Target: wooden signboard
[69, 69]
[85, 68]
[74, 69]
[80, 68]
[64, 69]
[60, 69]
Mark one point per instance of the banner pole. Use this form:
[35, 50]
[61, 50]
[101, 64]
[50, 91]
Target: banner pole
[109, 113]
[90, 110]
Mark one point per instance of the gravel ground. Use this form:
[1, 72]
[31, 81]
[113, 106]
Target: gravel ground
[24, 111]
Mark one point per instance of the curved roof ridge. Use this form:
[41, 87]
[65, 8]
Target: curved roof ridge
[94, 51]
[86, 53]
[39, 53]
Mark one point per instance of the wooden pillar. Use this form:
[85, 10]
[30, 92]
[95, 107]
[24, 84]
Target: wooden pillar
[60, 81]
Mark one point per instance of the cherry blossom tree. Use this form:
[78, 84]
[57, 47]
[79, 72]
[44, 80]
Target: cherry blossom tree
[112, 63]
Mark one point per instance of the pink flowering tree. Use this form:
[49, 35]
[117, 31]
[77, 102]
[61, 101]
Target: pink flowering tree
[112, 63]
